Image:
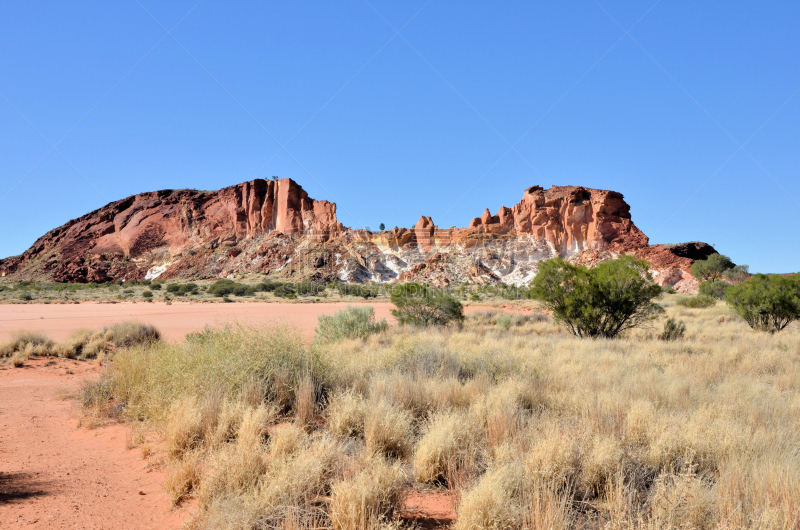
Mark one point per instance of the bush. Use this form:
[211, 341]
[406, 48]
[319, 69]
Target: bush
[26, 297]
[613, 297]
[737, 275]
[147, 294]
[715, 289]
[673, 330]
[767, 302]
[700, 301]
[155, 286]
[349, 323]
[224, 288]
[419, 305]
[668, 289]
[182, 289]
[711, 268]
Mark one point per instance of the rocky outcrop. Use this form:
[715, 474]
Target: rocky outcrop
[273, 227]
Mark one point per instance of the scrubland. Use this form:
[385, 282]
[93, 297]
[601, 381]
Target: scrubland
[528, 426]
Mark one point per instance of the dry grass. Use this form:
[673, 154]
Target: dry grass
[83, 344]
[532, 427]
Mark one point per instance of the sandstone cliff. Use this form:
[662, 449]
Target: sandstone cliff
[273, 227]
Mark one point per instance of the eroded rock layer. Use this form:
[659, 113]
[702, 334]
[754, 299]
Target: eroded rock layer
[273, 227]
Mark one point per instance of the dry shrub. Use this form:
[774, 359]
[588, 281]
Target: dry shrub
[388, 430]
[682, 501]
[369, 498]
[286, 441]
[601, 460]
[305, 405]
[184, 429]
[553, 458]
[448, 450]
[18, 360]
[183, 477]
[346, 414]
[302, 478]
[494, 503]
[25, 340]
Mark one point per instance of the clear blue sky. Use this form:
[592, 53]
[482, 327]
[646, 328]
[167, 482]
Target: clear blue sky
[693, 114]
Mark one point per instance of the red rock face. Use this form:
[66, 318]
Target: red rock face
[267, 226]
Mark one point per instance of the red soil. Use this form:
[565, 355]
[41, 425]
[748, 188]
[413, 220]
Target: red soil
[56, 474]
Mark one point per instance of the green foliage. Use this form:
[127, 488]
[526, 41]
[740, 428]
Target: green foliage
[767, 302]
[418, 305]
[350, 323]
[668, 289]
[147, 294]
[615, 296]
[673, 330]
[156, 286]
[737, 275]
[382, 227]
[182, 289]
[715, 289]
[711, 268]
[700, 301]
[25, 297]
[223, 288]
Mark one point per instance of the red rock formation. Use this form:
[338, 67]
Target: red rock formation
[259, 225]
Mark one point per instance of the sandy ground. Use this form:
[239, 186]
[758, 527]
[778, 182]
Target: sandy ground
[54, 474]
[57, 474]
[174, 321]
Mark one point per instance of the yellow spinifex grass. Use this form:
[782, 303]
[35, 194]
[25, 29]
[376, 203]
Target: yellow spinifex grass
[532, 427]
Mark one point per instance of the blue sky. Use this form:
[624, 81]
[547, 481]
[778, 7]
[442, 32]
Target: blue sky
[690, 109]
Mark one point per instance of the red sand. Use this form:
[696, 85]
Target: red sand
[55, 474]
[174, 321]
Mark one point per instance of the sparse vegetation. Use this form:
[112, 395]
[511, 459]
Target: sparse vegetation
[605, 301]
[673, 330]
[767, 302]
[530, 425]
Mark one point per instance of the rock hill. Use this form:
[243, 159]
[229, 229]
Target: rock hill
[273, 227]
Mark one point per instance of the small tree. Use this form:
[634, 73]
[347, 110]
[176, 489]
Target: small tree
[711, 268]
[382, 227]
[767, 302]
[615, 296]
[419, 305]
[737, 275]
[673, 330]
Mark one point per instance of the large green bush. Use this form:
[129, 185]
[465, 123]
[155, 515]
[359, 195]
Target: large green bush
[711, 268]
[349, 323]
[767, 302]
[715, 289]
[615, 296]
[419, 305]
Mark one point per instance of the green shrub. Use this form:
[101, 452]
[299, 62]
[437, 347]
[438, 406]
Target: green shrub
[737, 275]
[182, 289]
[700, 301]
[227, 287]
[26, 297]
[615, 296]
[349, 323]
[155, 286]
[711, 268]
[673, 330]
[668, 289]
[147, 294]
[767, 302]
[715, 289]
[419, 305]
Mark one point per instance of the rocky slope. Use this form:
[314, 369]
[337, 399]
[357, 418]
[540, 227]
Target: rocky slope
[273, 227]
